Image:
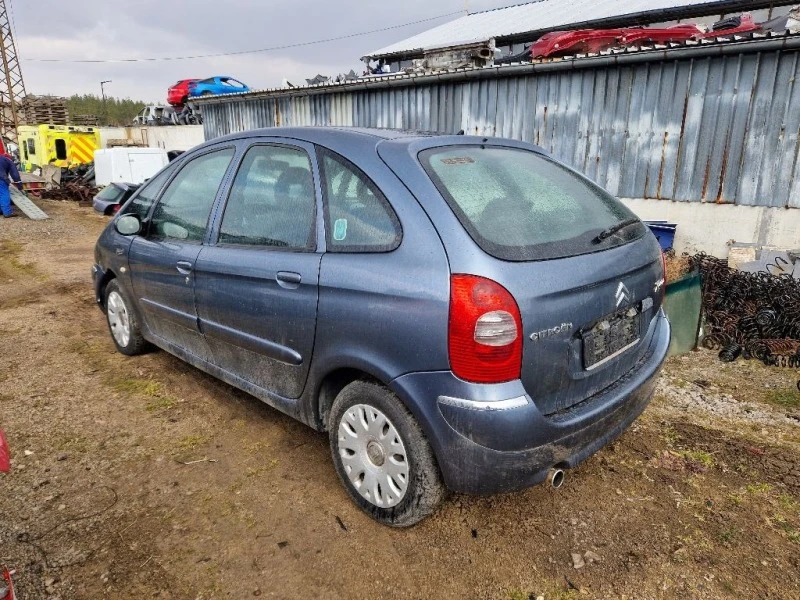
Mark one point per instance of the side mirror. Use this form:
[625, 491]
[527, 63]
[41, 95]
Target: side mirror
[128, 225]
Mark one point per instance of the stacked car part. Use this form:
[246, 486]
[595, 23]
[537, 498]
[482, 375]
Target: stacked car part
[753, 315]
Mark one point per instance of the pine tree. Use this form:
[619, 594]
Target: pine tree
[118, 112]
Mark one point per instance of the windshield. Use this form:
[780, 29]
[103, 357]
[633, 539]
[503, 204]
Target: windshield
[519, 205]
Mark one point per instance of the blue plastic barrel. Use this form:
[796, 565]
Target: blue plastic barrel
[664, 232]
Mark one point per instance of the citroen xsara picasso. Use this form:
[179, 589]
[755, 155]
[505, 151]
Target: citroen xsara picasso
[457, 312]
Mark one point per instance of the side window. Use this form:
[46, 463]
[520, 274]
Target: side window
[141, 204]
[31, 146]
[358, 218]
[182, 213]
[61, 149]
[272, 201]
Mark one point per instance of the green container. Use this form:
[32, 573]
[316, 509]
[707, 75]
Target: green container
[682, 304]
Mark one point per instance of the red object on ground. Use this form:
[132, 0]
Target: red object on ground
[179, 93]
[8, 592]
[5, 454]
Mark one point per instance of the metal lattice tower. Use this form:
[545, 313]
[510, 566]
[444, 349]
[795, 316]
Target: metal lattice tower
[12, 86]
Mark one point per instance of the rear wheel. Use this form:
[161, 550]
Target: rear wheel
[123, 322]
[382, 457]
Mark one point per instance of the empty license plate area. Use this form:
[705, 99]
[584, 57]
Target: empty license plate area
[610, 337]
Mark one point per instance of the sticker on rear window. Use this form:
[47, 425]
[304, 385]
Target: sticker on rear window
[458, 160]
[340, 229]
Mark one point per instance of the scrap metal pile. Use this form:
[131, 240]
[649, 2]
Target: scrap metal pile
[752, 315]
[76, 184]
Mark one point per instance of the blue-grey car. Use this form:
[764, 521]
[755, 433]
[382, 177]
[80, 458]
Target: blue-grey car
[458, 313]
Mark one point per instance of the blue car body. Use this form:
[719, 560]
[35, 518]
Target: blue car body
[293, 327]
[215, 86]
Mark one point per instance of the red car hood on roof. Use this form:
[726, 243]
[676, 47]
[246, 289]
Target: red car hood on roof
[5, 454]
[561, 43]
[581, 41]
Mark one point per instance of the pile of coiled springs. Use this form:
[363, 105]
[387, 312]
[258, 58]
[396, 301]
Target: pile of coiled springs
[752, 315]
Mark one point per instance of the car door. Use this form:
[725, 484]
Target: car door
[257, 286]
[162, 261]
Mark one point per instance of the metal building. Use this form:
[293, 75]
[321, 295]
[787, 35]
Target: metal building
[716, 122]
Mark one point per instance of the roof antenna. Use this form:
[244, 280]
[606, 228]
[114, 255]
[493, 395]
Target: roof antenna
[460, 132]
[466, 6]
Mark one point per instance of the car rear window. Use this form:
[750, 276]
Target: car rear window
[110, 193]
[519, 205]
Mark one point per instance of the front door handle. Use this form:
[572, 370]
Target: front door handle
[184, 267]
[288, 279]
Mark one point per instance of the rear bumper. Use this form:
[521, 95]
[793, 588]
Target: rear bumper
[492, 438]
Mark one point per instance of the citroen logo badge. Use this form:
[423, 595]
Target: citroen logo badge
[623, 294]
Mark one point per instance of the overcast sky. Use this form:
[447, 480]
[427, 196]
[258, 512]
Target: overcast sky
[114, 29]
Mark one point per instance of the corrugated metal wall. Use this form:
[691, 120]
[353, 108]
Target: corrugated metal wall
[717, 129]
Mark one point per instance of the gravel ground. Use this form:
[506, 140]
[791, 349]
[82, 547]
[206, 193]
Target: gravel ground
[143, 477]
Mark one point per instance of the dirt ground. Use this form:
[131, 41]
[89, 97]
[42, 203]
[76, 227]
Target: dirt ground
[143, 477]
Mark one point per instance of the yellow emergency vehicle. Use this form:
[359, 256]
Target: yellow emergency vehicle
[59, 145]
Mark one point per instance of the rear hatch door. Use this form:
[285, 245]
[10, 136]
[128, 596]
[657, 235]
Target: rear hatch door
[587, 275]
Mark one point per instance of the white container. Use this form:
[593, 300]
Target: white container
[127, 165]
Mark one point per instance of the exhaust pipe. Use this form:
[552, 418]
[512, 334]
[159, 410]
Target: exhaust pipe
[555, 477]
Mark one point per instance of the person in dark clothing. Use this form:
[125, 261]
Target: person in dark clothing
[8, 175]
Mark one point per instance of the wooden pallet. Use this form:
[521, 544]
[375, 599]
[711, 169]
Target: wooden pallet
[45, 109]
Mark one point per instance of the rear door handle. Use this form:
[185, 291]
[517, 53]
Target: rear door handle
[288, 279]
[184, 267]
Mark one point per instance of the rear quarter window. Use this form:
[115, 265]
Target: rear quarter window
[358, 217]
[520, 205]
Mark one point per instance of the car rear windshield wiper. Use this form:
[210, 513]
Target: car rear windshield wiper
[607, 233]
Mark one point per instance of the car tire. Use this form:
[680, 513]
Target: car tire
[370, 430]
[123, 322]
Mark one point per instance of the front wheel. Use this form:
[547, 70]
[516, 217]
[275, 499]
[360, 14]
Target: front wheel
[123, 322]
[382, 456]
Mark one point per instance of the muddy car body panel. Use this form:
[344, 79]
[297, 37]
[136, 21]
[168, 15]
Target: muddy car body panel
[293, 326]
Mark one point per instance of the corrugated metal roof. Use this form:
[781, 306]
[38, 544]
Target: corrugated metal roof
[542, 15]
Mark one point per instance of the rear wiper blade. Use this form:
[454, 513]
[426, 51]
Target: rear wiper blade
[607, 233]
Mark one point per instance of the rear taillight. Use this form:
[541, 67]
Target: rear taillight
[485, 331]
